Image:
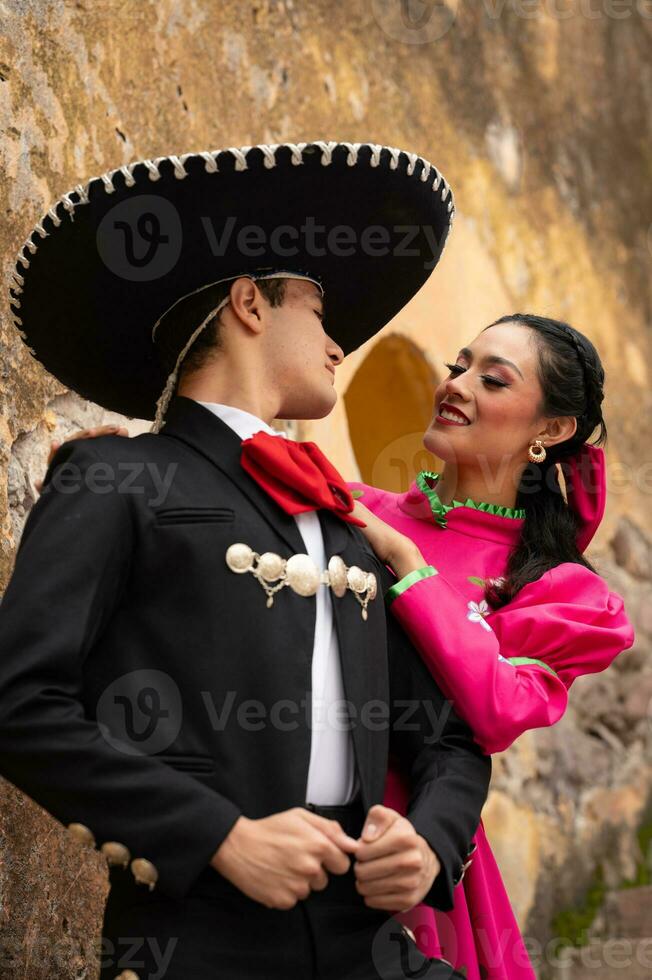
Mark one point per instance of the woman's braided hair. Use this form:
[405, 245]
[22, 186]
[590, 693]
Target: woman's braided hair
[572, 379]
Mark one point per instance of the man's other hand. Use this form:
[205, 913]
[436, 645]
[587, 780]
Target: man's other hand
[280, 859]
[394, 866]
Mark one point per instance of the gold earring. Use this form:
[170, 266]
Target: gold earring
[536, 453]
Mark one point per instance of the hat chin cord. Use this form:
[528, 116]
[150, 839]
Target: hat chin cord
[171, 383]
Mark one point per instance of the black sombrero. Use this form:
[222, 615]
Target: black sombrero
[112, 256]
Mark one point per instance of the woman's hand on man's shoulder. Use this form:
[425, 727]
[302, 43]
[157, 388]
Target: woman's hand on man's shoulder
[92, 433]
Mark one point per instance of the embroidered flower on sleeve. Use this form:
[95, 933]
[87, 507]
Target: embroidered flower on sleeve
[477, 613]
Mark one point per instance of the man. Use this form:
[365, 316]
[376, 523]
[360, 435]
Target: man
[190, 608]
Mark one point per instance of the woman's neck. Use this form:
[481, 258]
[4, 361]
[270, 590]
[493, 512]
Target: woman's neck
[460, 483]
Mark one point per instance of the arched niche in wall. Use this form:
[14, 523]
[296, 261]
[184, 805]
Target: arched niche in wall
[389, 405]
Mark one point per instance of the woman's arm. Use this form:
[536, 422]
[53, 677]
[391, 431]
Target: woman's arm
[510, 670]
[394, 549]
[447, 774]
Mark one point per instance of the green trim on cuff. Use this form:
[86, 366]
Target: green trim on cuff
[401, 586]
[518, 661]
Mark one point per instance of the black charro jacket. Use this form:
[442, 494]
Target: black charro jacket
[146, 690]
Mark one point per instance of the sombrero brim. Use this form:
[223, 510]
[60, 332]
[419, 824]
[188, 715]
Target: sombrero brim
[111, 256]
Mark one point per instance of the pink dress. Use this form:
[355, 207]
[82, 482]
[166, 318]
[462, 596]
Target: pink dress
[506, 671]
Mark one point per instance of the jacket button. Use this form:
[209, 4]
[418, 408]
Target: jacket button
[463, 871]
[81, 833]
[116, 853]
[144, 872]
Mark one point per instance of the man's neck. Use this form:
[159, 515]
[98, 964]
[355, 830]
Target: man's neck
[246, 398]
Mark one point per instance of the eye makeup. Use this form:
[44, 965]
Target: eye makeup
[457, 369]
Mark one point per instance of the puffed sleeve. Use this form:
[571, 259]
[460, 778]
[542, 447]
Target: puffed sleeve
[510, 670]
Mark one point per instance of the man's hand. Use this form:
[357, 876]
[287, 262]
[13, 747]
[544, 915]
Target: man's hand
[394, 866]
[280, 859]
[98, 430]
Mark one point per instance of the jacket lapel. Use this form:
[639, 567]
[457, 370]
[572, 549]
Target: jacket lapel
[207, 434]
[362, 644]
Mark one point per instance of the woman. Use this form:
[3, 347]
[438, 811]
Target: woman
[492, 586]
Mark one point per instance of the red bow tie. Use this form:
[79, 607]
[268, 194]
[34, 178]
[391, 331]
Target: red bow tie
[297, 476]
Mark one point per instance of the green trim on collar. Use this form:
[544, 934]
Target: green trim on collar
[440, 510]
[518, 661]
[401, 586]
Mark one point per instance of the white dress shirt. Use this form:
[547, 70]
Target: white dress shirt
[332, 776]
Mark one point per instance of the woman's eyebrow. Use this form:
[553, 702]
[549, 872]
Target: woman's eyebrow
[491, 359]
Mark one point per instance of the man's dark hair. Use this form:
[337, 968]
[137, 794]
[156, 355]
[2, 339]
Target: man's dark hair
[209, 339]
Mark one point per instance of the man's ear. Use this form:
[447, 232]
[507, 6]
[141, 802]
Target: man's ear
[246, 302]
[559, 429]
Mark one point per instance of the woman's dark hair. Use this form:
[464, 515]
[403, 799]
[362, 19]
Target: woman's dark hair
[572, 378]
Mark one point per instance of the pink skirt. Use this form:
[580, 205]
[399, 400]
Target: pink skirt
[480, 934]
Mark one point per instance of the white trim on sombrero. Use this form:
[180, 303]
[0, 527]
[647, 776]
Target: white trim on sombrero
[210, 158]
[241, 275]
[240, 154]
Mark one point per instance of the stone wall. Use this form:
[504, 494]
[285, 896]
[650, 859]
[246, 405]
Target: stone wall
[540, 117]
[568, 800]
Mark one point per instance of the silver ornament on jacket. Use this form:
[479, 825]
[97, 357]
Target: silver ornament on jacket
[300, 573]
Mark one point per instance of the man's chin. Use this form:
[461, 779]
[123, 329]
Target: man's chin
[310, 407]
